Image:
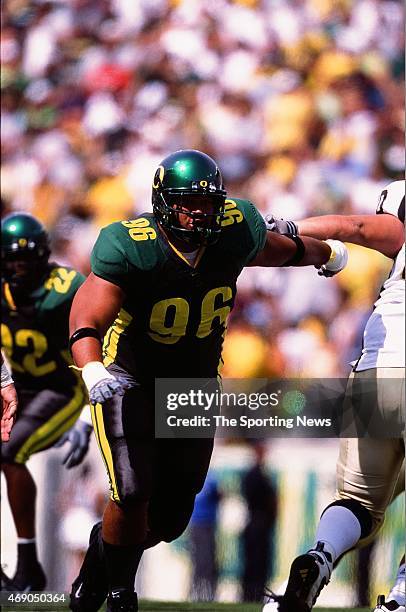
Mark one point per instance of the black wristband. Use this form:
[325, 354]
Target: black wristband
[83, 332]
[300, 250]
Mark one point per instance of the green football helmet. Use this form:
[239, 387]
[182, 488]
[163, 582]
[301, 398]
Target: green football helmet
[179, 178]
[25, 251]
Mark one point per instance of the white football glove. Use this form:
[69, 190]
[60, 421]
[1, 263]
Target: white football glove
[102, 385]
[338, 259]
[78, 437]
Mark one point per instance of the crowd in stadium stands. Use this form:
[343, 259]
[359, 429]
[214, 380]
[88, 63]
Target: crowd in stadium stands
[299, 101]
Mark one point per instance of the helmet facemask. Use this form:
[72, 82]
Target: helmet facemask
[24, 269]
[196, 228]
[188, 197]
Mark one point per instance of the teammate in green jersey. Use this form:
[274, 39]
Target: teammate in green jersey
[160, 291]
[36, 300]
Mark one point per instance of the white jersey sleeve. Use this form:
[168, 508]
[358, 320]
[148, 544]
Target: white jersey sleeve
[392, 200]
[384, 334]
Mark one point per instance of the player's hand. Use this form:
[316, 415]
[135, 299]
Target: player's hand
[102, 385]
[338, 259]
[78, 437]
[106, 388]
[9, 403]
[280, 226]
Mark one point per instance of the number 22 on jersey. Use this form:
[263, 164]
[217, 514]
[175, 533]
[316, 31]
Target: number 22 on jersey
[37, 345]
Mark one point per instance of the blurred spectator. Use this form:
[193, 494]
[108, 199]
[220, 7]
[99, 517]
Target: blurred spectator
[257, 538]
[202, 539]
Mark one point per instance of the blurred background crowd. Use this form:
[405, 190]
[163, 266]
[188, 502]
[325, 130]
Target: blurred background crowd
[299, 101]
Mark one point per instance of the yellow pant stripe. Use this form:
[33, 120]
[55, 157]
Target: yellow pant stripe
[50, 431]
[102, 441]
[112, 337]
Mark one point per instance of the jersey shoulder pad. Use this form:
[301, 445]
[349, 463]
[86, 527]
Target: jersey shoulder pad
[244, 228]
[392, 200]
[124, 247]
[62, 284]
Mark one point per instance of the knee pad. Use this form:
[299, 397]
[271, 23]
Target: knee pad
[127, 498]
[173, 523]
[172, 532]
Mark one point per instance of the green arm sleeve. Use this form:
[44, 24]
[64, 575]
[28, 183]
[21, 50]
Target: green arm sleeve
[254, 230]
[108, 259]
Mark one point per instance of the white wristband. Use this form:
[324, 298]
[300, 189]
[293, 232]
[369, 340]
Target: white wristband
[339, 256]
[93, 372]
[6, 379]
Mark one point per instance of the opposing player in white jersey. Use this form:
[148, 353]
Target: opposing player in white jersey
[368, 467]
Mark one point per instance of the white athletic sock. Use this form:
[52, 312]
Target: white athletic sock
[398, 593]
[339, 530]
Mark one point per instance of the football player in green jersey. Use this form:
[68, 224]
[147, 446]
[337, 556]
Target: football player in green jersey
[36, 300]
[160, 291]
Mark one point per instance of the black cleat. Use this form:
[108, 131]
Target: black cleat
[309, 573]
[89, 590]
[27, 582]
[6, 582]
[122, 600]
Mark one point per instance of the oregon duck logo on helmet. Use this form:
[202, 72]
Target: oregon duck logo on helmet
[183, 175]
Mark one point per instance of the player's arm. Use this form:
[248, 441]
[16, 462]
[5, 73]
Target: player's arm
[294, 251]
[383, 232]
[94, 308]
[9, 402]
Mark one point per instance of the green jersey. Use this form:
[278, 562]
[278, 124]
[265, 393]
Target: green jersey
[35, 335]
[174, 315]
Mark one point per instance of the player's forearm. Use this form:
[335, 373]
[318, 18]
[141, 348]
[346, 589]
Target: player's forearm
[94, 308]
[383, 233]
[85, 348]
[282, 250]
[328, 226]
[316, 252]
